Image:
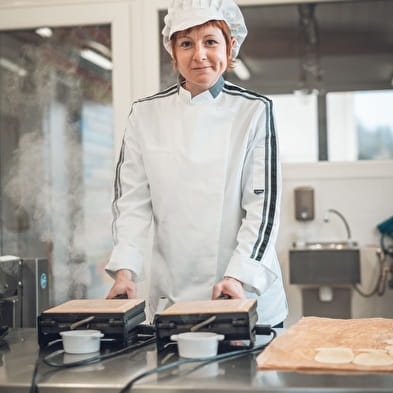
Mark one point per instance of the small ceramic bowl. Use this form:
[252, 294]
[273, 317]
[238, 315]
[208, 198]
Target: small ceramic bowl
[81, 341]
[197, 344]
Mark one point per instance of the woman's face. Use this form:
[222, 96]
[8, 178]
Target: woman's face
[201, 57]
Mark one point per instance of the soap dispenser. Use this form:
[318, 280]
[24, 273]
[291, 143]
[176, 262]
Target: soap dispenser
[304, 203]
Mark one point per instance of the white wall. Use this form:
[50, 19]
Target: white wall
[362, 192]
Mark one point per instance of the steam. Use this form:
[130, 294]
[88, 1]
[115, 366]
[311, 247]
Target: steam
[54, 185]
[46, 181]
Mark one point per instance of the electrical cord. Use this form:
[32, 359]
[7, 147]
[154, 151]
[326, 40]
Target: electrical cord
[380, 285]
[263, 329]
[47, 359]
[95, 358]
[387, 250]
[227, 355]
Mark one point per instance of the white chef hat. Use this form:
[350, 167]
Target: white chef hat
[184, 14]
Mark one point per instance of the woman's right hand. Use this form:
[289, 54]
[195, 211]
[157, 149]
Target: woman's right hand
[123, 285]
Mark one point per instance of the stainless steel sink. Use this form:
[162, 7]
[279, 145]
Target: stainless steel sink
[325, 263]
[327, 245]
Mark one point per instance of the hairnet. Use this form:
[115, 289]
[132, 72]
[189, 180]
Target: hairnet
[184, 14]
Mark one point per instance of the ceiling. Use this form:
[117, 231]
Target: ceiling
[339, 46]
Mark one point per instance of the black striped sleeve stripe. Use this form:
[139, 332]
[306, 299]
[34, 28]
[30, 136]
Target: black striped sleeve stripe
[244, 92]
[117, 183]
[273, 187]
[271, 173]
[117, 191]
[165, 93]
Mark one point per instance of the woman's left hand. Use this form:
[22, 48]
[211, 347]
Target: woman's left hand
[229, 286]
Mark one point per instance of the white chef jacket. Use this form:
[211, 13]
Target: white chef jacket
[205, 170]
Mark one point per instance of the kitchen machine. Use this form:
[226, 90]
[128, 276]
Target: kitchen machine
[118, 319]
[24, 290]
[234, 318]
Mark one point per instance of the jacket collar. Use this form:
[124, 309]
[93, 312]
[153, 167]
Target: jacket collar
[215, 90]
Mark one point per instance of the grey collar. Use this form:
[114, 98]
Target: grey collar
[215, 90]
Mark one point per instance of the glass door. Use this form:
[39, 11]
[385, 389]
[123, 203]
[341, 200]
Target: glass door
[57, 144]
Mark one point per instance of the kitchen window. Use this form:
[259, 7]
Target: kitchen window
[328, 68]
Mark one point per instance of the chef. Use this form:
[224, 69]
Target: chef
[199, 161]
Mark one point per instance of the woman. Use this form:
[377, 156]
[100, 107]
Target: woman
[200, 160]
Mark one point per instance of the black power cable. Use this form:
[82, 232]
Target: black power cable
[95, 358]
[227, 355]
[204, 360]
[47, 359]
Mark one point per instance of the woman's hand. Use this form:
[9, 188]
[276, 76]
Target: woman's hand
[123, 285]
[229, 286]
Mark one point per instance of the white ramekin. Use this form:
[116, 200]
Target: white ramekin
[81, 341]
[197, 344]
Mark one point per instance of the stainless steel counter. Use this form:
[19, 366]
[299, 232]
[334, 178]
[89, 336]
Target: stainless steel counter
[18, 356]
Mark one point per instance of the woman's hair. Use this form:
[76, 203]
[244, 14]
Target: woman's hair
[225, 31]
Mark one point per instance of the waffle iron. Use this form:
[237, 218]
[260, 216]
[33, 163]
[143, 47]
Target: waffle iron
[118, 319]
[234, 318]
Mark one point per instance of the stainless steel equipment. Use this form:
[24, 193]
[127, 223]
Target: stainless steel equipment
[237, 375]
[24, 290]
[326, 272]
[234, 318]
[118, 319]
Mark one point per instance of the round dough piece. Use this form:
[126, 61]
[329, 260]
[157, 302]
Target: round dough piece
[334, 355]
[390, 341]
[389, 349]
[375, 358]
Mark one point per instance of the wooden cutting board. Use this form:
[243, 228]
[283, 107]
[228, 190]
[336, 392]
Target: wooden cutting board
[296, 348]
[94, 306]
[210, 307]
